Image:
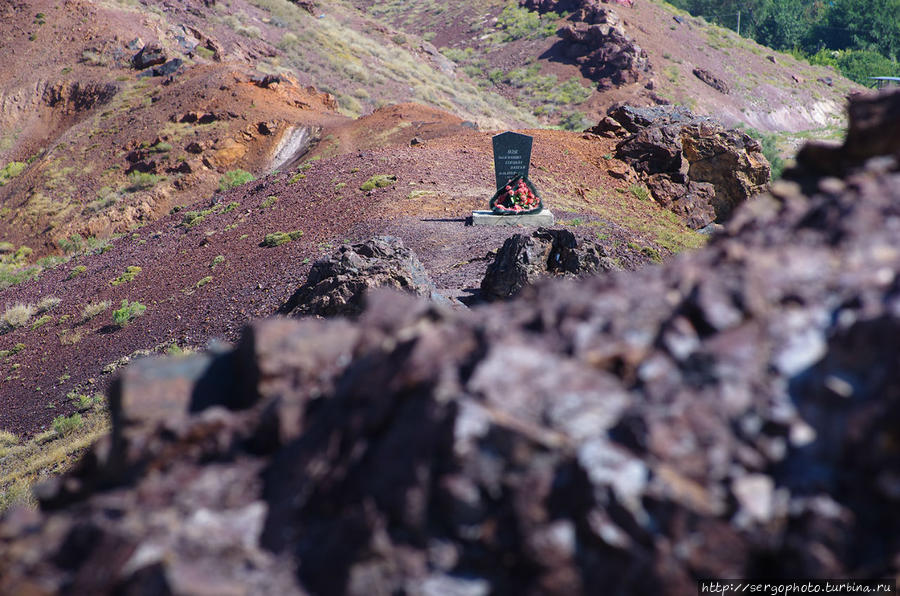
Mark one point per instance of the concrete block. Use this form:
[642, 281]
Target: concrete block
[487, 218]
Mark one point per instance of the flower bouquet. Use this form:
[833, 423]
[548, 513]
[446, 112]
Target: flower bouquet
[518, 197]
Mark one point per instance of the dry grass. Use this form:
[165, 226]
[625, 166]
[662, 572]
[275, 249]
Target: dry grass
[92, 309]
[16, 316]
[23, 464]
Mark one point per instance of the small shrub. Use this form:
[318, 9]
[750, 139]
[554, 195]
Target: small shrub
[12, 351]
[84, 402]
[640, 192]
[160, 148]
[268, 202]
[92, 309]
[204, 52]
[231, 207]
[276, 239]
[72, 244]
[297, 177]
[8, 439]
[192, 218]
[16, 316]
[70, 337]
[652, 254]
[141, 181]
[233, 178]
[130, 273]
[217, 261]
[47, 303]
[41, 322]
[11, 170]
[128, 312]
[64, 425]
[378, 181]
[204, 281]
[76, 271]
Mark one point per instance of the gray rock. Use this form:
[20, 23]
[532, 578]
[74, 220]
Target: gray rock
[338, 284]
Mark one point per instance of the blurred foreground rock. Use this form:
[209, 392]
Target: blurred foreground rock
[735, 413]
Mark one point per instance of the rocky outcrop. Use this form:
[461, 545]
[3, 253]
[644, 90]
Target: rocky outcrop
[339, 283]
[151, 54]
[712, 80]
[525, 258]
[735, 413]
[691, 164]
[597, 42]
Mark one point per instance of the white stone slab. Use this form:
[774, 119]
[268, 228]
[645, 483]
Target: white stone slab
[488, 218]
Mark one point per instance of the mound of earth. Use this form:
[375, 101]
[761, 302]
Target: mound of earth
[734, 413]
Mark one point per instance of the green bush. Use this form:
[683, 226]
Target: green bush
[191, 218]
[640, 192]
[521, 23]
[130, 273]
[141, 181]
[11, 170]
[76, 271]
[233, 178]
[378, 181]
[128, 312]
[860, 65]
[63, 425]
[279, 238]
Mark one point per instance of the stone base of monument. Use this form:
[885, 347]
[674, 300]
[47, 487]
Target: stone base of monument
[487, 218]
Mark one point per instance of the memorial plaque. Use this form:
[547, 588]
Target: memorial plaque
[512, 156]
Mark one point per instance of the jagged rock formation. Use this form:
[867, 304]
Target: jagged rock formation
[712, 80]
[735, 413]
[338, 284]
[597, 42]
[691, 164]
[525, 258]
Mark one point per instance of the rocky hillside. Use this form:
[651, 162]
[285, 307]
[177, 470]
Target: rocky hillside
[571, 59]
[118, 111]
[733, 413]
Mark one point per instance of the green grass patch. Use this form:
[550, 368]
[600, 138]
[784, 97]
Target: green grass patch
[130, 273]
[141, 181]
[11, 170]
[279, 238]
[233, 178]
[127, 312]
[378, 181]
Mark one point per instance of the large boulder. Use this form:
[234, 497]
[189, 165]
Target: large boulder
[525, 258]
[732, 414]
[339, 283]
[679, 154]
[151, 54]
